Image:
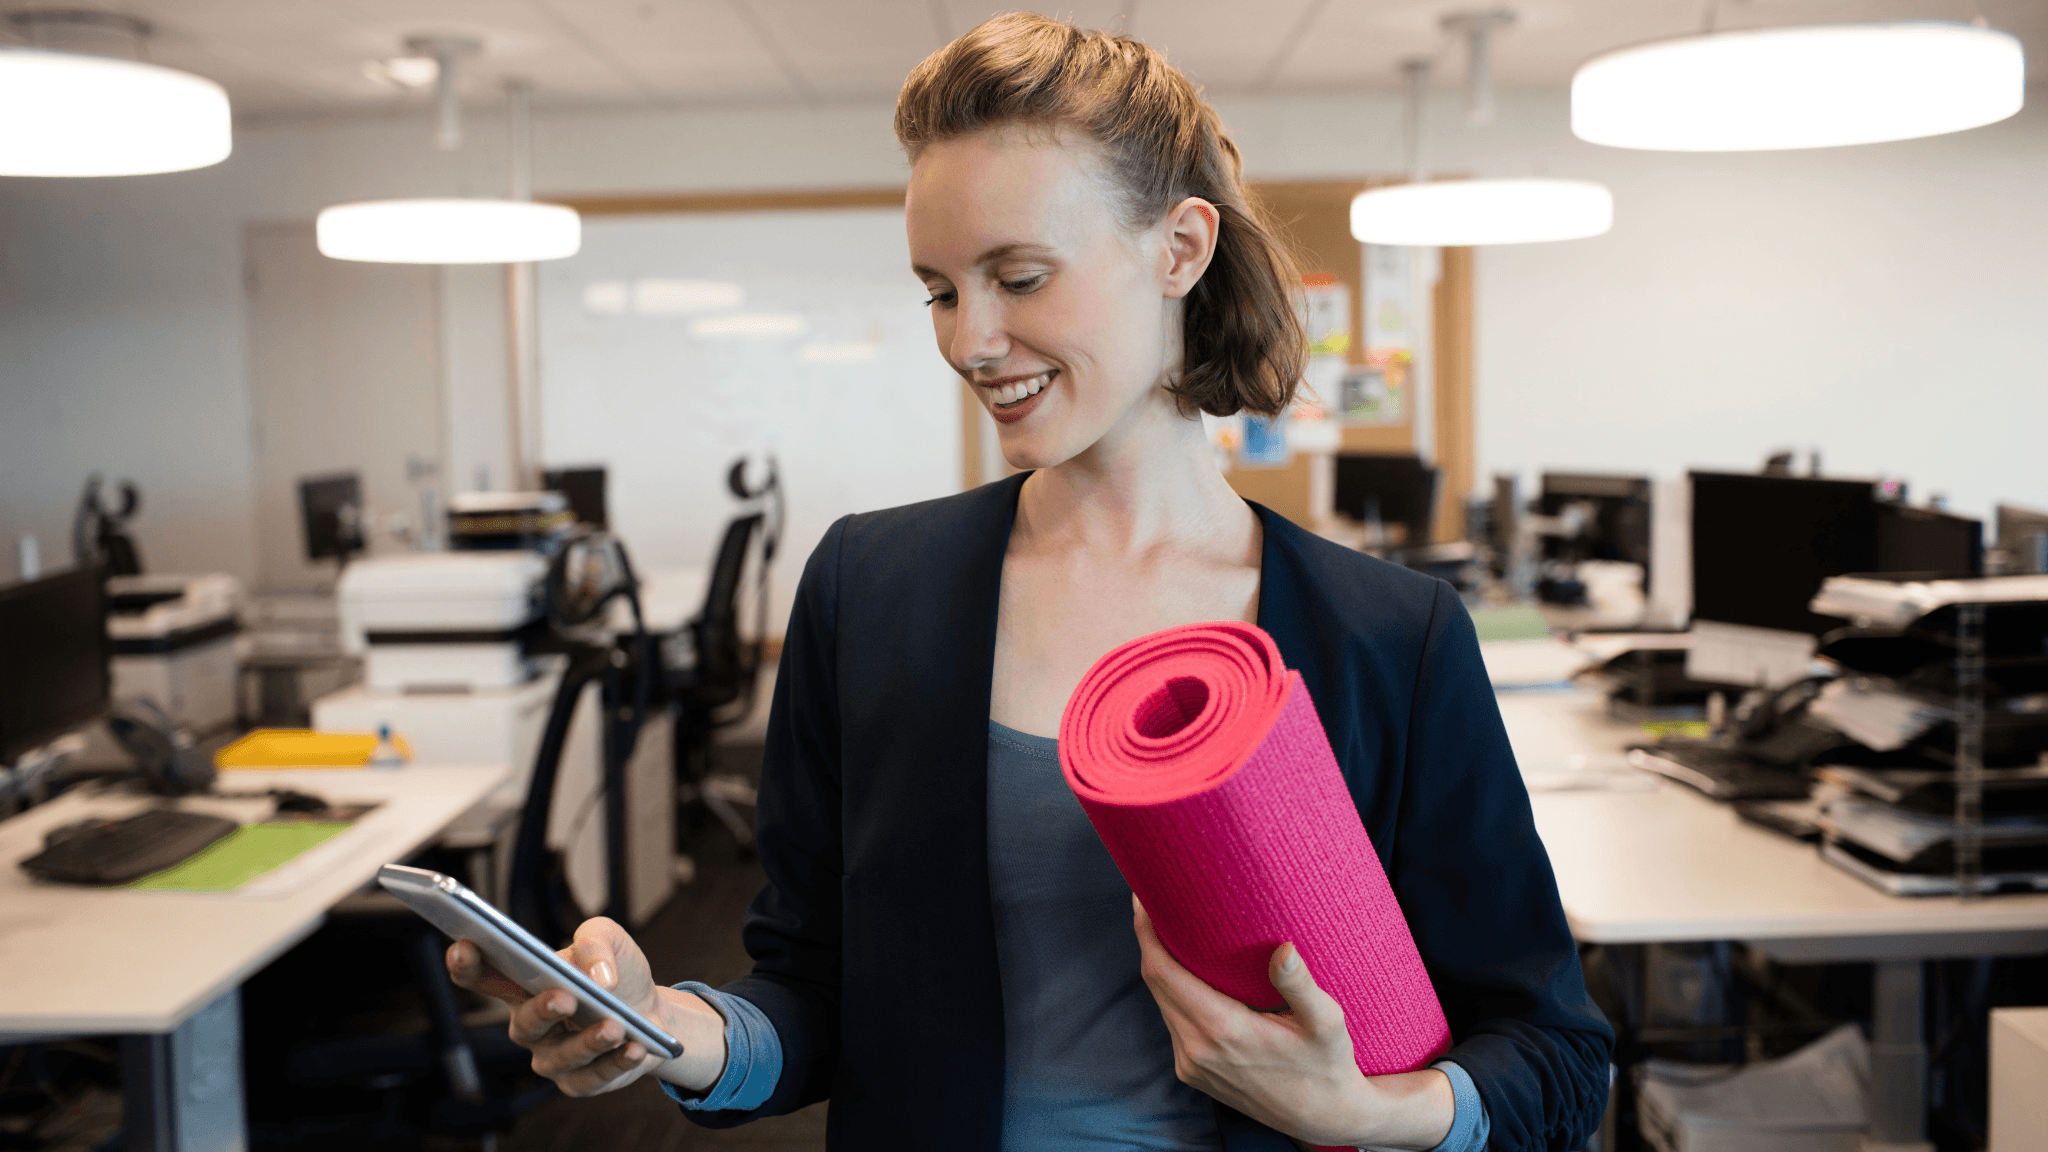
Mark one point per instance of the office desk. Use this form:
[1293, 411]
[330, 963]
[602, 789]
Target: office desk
[1667, 864]
[168, 965]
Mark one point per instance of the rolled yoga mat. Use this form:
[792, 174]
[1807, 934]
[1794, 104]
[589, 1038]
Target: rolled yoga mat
[1201, 762]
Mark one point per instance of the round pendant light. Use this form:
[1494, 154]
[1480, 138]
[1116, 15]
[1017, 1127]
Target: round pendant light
[1812, 86]
[1458, 213]
[71, 114]
[452, 231]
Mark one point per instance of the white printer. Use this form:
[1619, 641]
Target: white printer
[440, 621]
[441, 637]
[174, 644]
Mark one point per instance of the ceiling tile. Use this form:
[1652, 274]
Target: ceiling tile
[289, 57]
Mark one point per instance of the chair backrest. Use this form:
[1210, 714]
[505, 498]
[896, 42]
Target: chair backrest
[722, 656]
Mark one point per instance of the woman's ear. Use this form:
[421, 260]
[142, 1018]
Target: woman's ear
[1190, 230]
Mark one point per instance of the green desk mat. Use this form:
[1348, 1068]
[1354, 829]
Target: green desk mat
[242, 856]
[1517, 623]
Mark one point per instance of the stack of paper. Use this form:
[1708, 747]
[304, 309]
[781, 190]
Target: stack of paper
[1810, 1101]
[1880, 718]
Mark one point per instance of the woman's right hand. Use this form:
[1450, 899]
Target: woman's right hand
[587, 1061]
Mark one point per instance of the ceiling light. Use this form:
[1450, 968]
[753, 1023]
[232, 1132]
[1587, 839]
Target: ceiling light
[76, 114]
[465, 231]
[1456, 213]
[410, 72]
[469, 230]
[1463, 213]
[1803, 87]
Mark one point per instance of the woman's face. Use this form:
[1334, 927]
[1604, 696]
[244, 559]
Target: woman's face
[1064, 324]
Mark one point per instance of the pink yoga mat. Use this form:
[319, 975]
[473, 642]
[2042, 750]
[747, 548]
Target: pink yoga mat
[1201, 762]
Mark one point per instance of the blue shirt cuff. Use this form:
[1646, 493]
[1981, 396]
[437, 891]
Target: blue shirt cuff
[1469, 1124]
[753, 1056]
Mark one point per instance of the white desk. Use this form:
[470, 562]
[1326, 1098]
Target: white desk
[1667, 864]
[170, 964]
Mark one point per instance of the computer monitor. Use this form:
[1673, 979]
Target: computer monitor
[1923, 540]
[584, 489]
[1394, 489]
[331, 515]
[1761, 545]
[1501, 517]
[54, 675]
[1620, 524]
[2023, 537]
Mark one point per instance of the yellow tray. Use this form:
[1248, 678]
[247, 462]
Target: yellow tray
[303, 748]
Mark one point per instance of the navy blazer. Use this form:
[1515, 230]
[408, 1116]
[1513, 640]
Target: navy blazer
[874, 939]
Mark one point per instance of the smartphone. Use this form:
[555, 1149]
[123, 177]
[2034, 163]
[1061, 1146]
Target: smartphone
[449, 905]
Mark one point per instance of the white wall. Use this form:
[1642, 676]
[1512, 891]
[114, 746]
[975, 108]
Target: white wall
[1881, 302]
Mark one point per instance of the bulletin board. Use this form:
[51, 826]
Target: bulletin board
[676, 341]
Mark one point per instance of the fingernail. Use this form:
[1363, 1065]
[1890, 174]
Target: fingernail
[603, 974]
[1292, 960]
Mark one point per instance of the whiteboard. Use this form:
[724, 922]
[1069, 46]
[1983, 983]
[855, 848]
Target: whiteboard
[672, 344]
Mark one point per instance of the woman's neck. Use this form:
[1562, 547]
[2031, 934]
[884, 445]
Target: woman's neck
[1151, 483]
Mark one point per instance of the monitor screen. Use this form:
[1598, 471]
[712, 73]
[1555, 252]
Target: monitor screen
[1761, 545]
[54, 675]
[1923, 540]
[583, 488]
[331, 514]
[2023, 537]
[1395, 489]
[1620, 528]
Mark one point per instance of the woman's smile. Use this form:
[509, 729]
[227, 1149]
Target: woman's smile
[1013, 398]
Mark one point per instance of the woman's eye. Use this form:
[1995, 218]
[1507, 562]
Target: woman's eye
[942, 299]
[1023, 286]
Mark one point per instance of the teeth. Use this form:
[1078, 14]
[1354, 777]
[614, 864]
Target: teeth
[1012, 393]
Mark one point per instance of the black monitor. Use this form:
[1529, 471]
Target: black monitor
[331, 515]
[1923, 540]
[1389, 488]
[1761, 545]
[2023, 537]
[1501, 517]
[54, 675]
[1620, 526]
[583, 488]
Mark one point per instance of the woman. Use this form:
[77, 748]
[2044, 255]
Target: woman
[943, 948]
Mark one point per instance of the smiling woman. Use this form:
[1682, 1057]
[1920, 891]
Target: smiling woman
[944, 947]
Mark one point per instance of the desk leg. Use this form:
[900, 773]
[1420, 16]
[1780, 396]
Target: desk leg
[183, 1090]
[1898, 1062]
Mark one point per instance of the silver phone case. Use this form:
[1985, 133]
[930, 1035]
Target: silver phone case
[449, 905]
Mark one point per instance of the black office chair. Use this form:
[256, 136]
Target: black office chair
[714, 669]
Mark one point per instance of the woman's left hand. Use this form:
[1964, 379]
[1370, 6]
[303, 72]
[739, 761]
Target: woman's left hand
[1292, 1071]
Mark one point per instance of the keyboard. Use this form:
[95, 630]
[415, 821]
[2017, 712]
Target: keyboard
[1722, 773]
[108, 852]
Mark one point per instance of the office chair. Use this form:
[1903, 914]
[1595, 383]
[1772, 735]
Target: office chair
[714, 682]
[99, 535]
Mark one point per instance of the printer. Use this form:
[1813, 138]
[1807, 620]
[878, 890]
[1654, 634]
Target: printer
[173, 641]
[442, 621]
[444, 638]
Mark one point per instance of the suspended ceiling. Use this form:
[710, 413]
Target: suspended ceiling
[282, 59]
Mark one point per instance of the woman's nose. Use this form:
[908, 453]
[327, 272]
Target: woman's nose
[978, 337]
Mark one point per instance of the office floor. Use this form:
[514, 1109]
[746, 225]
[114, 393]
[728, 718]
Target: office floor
[696, 937]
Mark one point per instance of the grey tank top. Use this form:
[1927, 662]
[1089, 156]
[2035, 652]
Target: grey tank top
[1087, 1063]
